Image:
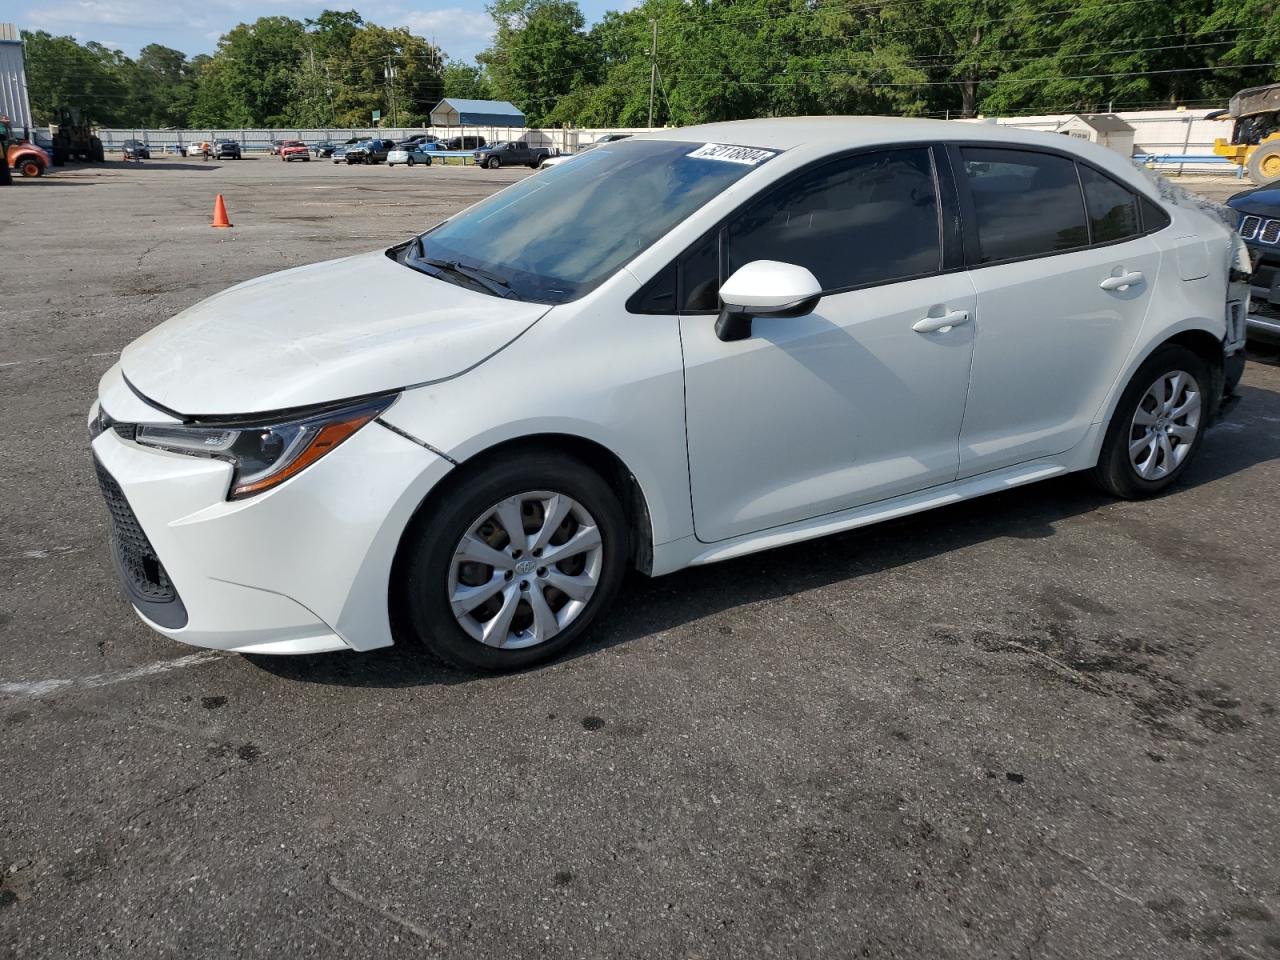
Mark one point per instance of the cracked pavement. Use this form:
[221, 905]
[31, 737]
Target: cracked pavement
[1040, 724]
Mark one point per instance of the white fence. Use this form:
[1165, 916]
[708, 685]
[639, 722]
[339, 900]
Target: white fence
[260, 138]
[1158, 132]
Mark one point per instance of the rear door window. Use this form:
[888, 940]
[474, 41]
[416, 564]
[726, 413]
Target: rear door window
[1026, 204]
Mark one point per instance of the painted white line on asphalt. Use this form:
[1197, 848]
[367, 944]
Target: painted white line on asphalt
[32, 689]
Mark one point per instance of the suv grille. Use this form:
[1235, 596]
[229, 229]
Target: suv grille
[141, 568]
[1263, 231]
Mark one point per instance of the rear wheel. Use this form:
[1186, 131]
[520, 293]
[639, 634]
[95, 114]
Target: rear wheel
[1264, 163]
[1158, 425]
[30, 167]
[409, 162]
[510, 568]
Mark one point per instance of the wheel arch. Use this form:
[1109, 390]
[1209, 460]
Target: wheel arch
[1196, 337]
[595, 455]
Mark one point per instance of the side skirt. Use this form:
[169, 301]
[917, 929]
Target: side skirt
[688, 551]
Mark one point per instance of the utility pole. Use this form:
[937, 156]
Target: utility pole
[653, 68]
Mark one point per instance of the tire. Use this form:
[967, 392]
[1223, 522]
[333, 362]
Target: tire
[428, 564]
[409, 162]
[427, 161]
[30, 167]
[1158, 464]
[1264, 163]
[494, 163]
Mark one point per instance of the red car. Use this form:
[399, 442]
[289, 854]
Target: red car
[295, 150]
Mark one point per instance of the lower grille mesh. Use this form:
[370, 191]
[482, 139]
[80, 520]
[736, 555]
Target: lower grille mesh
[138, 561]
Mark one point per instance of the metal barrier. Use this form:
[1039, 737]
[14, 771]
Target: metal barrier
[1180, 160]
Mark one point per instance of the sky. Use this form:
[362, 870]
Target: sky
[460, 27]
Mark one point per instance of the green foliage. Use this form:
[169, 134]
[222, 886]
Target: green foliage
[466, 81]
[333, 70]
[541, 53]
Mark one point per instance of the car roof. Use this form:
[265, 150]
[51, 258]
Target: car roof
[818, 136]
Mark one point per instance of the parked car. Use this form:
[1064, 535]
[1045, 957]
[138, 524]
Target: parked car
[295, 150]
[845, 320]
[201, 148]
[1258, 213]
[27, 159]
[607, 138]
[510, 153]
[276, 145]
[416, 138]
[134, 150]
[226, 150]
[339, 154]
[411, 155]
[468, 142]
[175, 150]
[322, 150]
[369, 151]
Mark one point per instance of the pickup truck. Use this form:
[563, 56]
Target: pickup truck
[510, 152]
[369, 151]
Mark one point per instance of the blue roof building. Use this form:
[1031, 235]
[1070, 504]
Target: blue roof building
[453, 112]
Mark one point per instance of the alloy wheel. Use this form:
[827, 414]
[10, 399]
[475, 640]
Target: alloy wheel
[1165, 425]
[525, 569]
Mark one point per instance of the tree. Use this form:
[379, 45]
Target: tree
[251, 79]
[540, 53]
[63, 74]
[466, 81]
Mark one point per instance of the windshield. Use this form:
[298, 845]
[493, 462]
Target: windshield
[557, 234]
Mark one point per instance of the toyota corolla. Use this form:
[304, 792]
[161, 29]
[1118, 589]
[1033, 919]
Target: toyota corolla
[683, 347]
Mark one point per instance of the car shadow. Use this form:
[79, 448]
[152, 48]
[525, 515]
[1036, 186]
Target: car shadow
[646, 606]
[193, 164]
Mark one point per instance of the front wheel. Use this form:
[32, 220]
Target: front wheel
[30, 167]
[511, 567]
[1264, 164]
[1158, 425]
[410, 162]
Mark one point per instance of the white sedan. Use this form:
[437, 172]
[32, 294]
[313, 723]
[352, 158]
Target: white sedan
[419, 153]
[689, 346]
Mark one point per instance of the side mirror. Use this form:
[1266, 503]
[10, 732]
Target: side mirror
[765, 288]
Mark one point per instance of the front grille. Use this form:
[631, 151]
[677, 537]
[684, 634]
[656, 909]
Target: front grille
[141, 568]
[1260, 230]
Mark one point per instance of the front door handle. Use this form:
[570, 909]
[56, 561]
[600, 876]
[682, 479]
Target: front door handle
[942, 323]
[1122, 282]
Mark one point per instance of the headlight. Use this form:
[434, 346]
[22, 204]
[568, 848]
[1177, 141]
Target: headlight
[265, 453]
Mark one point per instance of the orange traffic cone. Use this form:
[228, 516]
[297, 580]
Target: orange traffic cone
[220, 213]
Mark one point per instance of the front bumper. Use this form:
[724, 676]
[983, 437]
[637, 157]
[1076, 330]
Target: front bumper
[301, 568]
[1264, 293]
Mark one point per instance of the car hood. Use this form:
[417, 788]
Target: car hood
[314, 334]
[1262, 201]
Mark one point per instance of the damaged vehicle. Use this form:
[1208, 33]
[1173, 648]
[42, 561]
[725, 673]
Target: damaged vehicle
[684, 347]
[1258, 222]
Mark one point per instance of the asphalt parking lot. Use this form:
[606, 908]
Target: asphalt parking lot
[1041, 724]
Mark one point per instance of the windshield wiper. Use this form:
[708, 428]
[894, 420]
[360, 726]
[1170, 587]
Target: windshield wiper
[490, 281]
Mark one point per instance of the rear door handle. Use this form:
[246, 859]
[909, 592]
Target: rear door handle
[1122, 282]
[942, 323]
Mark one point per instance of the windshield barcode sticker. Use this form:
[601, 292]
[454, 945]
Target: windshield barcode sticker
[730, 154]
